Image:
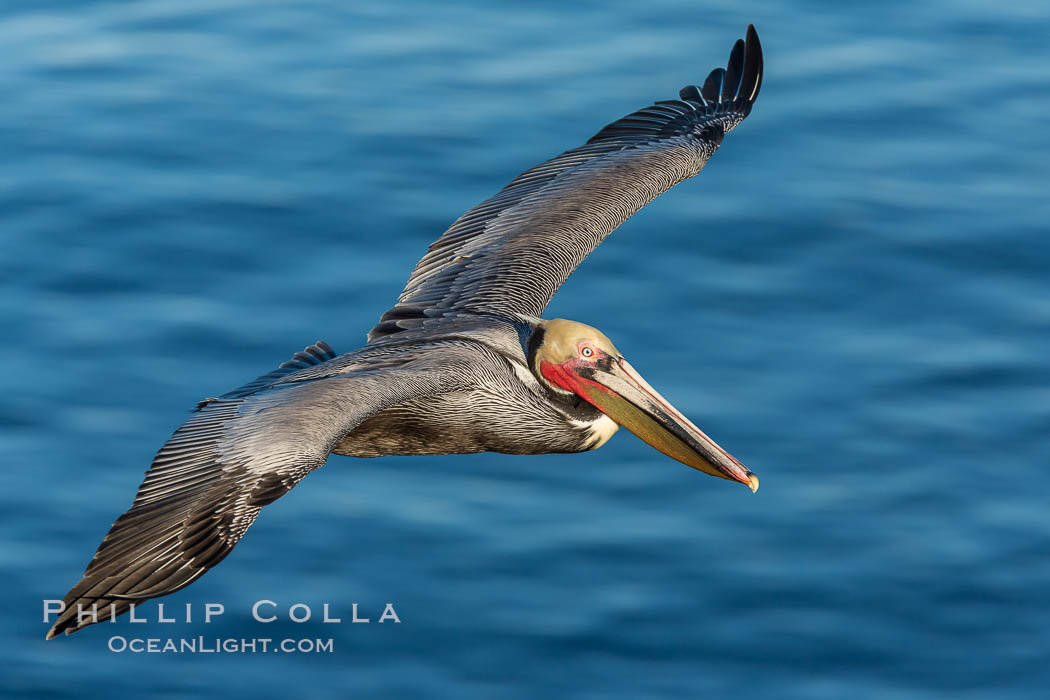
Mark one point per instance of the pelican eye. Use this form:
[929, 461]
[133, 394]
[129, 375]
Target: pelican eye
[587, 351]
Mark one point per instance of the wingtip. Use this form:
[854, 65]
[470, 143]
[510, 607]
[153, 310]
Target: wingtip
[752, 45]
[60, 629]
[712, 89]
[739, 82]
[734, 72]
[751, 82]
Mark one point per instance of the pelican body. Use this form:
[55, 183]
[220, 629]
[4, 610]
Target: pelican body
[462, 363]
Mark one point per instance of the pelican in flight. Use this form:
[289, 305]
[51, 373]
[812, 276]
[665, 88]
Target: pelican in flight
[462, 363]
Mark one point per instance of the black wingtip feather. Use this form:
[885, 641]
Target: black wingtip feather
[712, 90]
[691, 92]
[751, 81]
[734, 70]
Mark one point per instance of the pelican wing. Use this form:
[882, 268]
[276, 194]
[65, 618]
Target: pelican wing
[509, 254]
[235, 455]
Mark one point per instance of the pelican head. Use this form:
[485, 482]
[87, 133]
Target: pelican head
[573, 358]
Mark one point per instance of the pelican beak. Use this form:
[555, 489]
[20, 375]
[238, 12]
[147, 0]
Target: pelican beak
[619, 392]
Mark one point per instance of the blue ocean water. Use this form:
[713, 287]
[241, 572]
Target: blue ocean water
[852, 298]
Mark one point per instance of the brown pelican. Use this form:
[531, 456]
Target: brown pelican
[462, 363]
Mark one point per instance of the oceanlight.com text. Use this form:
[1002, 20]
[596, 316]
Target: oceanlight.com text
[217, 645]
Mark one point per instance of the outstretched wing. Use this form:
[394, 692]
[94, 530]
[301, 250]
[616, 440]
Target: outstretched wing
[235, 455]
[509, 254]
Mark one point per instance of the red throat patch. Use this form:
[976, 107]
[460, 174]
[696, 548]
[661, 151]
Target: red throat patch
[561, 376]
[558, 376]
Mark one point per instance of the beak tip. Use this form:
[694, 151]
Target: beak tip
[752, 482]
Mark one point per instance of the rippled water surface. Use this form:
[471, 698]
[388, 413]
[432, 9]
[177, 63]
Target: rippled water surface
[852, 298]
